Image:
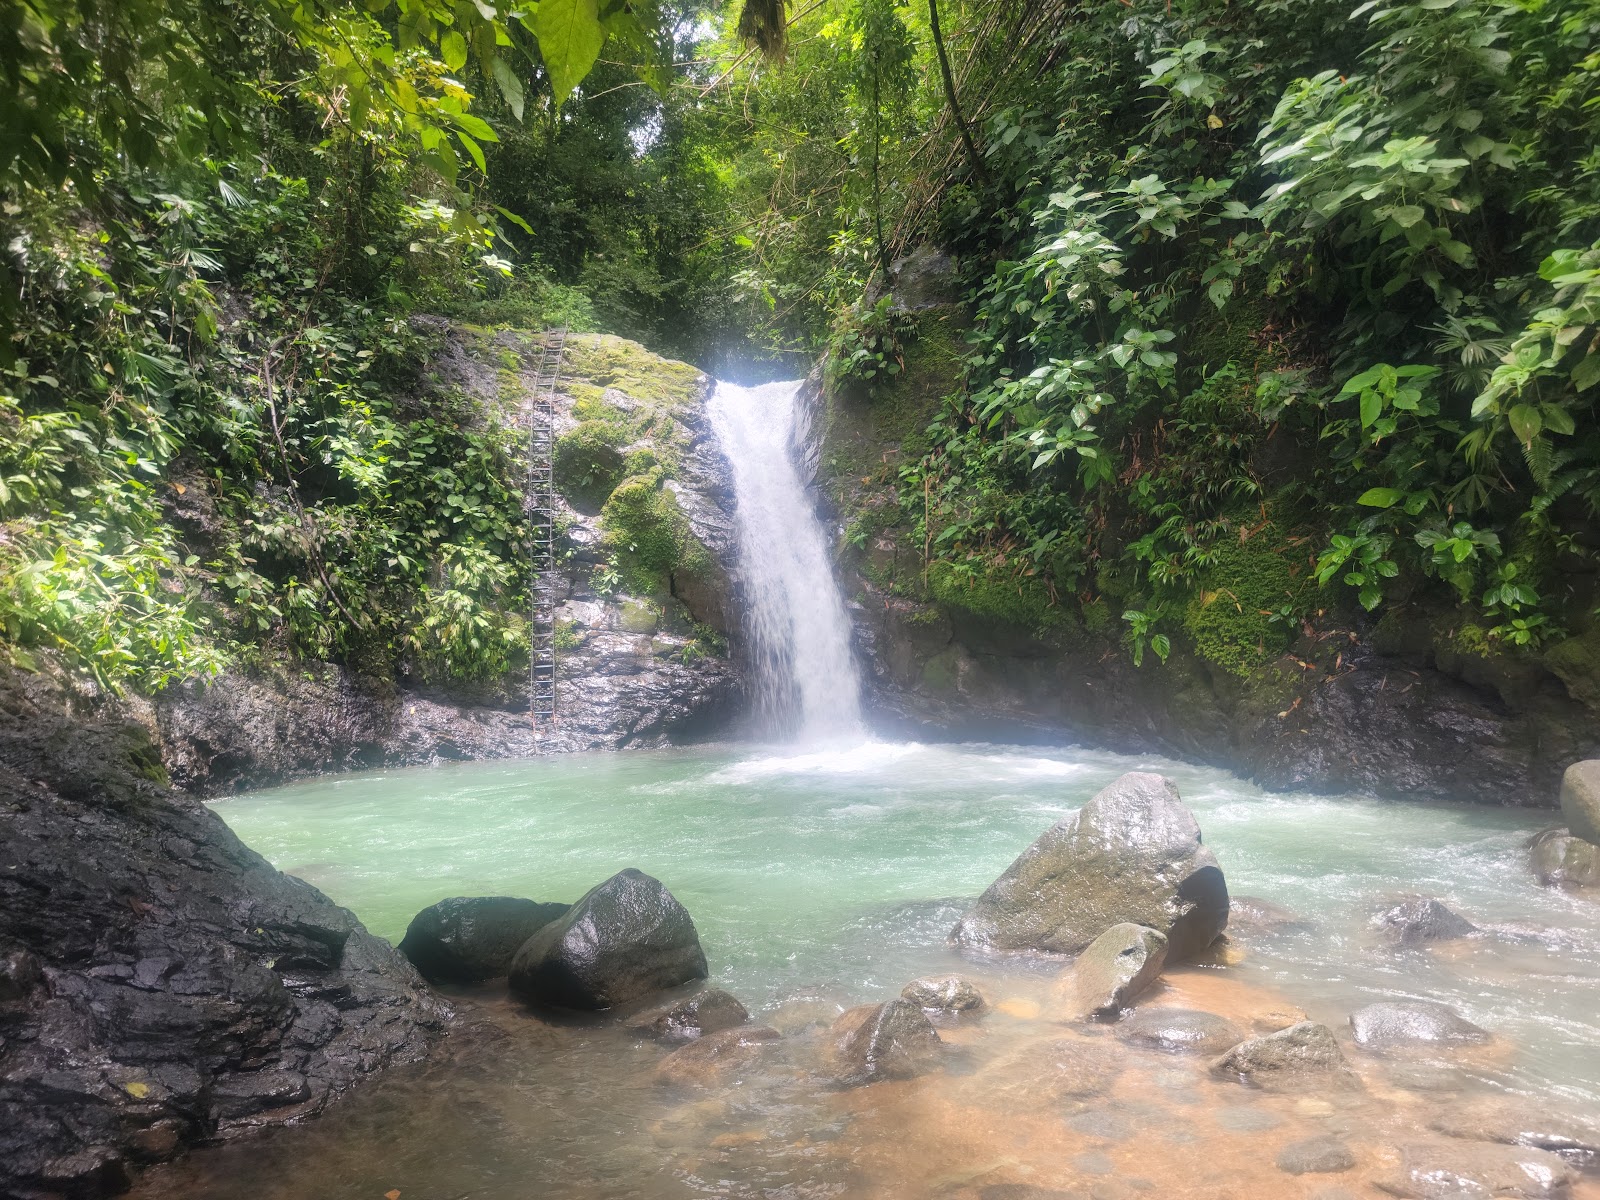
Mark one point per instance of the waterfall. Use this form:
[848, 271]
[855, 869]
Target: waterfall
[805, 675]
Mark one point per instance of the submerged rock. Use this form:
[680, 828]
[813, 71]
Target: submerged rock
[1116, 967]
[1523, 1123]
[947, 994]
[1465, 1170]
[715, 1059]
[468, 938]
[1580, 799]
[1180, 1029]
[1322, 1155]
[1132, 853]
[624, 940]
[708, 1011]
[1559, 857]
[1413, 1023]
[1418, 920]
[1051, 1072]
[893, 1040]
[1302, 1055]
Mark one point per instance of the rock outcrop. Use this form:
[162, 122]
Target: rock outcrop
[623, 941]
[1439, 1170]
[162, 984]
[1132, 853]
[468, 938]
[1111, 972]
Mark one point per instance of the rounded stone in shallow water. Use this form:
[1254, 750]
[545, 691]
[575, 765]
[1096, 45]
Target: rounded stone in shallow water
[1102, 1123]
[1413, 1023]
[1094, 1163]
[1321, 1155]
[1179, 1029]
[1239, 1118]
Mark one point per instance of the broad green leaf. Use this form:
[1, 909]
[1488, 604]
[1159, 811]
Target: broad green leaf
[1380, 497]
[1557, 419]
[570, 38]
[1371, 407]
[1587, 373]
[510, 86]
[514, 219]
[1526, 422]
[475, 150]
[453, 48]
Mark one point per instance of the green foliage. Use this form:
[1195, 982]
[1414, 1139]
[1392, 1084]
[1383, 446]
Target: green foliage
[994, 594]
[589, 462]
[648, 534]
[1246, 604]
[1141, 633]
[868, 346]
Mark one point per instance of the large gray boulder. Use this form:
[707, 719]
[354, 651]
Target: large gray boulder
[1132, 853]
[624, 940]
[1113, 969]
[468, 938]
[1580, 799]
[893, 1040]
[1558, 857]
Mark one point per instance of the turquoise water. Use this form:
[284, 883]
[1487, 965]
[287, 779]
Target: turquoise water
[839, 873]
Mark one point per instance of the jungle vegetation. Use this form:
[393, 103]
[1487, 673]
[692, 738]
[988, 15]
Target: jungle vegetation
[1271, 309]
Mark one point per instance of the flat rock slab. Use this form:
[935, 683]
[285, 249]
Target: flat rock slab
[1113, 969]
[1580, 799]
[1303, 1057]
[469, 938]
[1180, 1030]
[1394, 1024]
[716, 1059]
[1324, 1155]
[1469, 1170]
[1523, 1123]
[1132, 854]
[624, 940]
[1051, 1072]
[709, 1011]
[949, 995]
[893, 1040]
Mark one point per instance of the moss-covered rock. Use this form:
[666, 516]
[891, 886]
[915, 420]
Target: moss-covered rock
[589, 463]
[1020, 601]
[648, 534]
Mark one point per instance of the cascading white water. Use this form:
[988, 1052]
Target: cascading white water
[805, 674]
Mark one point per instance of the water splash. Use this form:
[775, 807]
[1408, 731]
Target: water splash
[805, 675]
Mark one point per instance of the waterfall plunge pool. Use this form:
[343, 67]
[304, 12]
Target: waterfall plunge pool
[832, 878]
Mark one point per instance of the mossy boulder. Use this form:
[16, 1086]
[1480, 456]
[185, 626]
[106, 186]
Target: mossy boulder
[647, 531]
[1231, 617]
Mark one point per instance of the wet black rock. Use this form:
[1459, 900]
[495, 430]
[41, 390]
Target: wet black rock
[1112, 970]
[717, 1059]
[1558, 857]
[624, 940]
[893, 1040]
[163, 984]
[1302, 1056]
[1132, 853]
[948, 995]
[1463, 1170]
[1323, 1155]
[1580, 799]
[1412, 1023]
[1419, 920]
[468, 938]
[1180, 1029]
[708, 1011]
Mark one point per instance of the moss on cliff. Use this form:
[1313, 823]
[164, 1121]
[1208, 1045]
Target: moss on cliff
[647, 533]
[589, 462]
[1002, 597]
[1243, 613]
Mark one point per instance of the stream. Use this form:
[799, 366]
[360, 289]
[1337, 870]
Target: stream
[821, 880]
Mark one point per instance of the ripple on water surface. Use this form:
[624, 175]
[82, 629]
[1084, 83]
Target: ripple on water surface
[831, 877]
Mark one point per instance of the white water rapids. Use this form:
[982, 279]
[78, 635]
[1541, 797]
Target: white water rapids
[804, 673]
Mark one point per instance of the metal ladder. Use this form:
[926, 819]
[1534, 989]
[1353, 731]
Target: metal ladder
[540, 505]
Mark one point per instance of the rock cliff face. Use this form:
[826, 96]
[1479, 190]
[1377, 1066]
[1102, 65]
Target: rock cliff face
[160, 983]
[1397, 707]
[645, 551]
